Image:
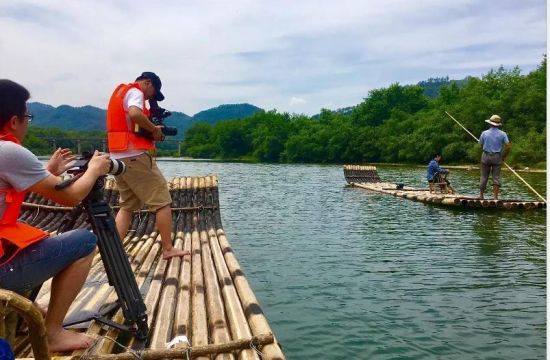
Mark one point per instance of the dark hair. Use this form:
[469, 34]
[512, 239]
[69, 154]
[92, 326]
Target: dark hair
[436, 155]
[13, 99]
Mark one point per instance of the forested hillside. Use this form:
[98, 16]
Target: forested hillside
[397, 124]
[90, 118]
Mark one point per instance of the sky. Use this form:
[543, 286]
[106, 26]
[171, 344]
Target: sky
[292, 56]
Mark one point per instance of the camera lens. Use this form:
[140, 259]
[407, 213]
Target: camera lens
[117, 167]
[169, 131]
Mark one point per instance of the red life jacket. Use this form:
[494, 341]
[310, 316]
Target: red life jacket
[15, 236]
[119, 136]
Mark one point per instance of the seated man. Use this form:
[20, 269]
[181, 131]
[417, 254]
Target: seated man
[437, 174]
[29, 256]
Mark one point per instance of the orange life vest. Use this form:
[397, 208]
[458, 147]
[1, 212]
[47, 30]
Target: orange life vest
[119, 136]
[15, 236]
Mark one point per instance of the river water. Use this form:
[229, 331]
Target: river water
[344, 273]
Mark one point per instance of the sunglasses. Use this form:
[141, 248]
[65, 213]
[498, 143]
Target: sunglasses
[29, 116]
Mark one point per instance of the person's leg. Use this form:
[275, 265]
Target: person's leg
[484, 175]
[65, 287]
[150, 186]
[66, 258]
[123, 220]
[164, 224]
[496, 176]
[128, 200]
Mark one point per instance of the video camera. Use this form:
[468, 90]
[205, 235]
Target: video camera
[157, 116]
[80, 165]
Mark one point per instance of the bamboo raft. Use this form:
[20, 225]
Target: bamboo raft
[205, 297]
[367, 177]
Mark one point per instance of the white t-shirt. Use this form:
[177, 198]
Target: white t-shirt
[134, 97]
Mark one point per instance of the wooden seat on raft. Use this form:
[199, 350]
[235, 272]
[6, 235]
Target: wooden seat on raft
[204, 297]
[440, 184]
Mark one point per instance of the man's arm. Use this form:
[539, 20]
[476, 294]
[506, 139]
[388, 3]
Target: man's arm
[72, 195]
[137, 116]
[506, 150]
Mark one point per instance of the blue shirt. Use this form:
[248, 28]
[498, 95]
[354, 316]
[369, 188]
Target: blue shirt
[493, 140]
[434, 167]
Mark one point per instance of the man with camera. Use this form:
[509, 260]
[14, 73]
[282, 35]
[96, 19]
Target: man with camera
[142, 183]
[29, 256]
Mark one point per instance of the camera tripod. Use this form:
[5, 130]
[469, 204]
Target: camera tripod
[115, 261]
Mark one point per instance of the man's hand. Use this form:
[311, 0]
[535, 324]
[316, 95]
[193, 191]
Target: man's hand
[60, 161]
[158, 135]
[99, 164]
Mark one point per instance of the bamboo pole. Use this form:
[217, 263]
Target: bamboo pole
[33, 318]
[235, 314]
[508, 166]
[180, 353]
[256, 319]
[168, 299]
[183, 305]
[217, 324]
[198, 316]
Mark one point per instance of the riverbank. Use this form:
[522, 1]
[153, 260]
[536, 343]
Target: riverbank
[246, 161]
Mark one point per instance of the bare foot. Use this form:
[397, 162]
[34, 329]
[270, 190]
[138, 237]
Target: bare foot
[65, 340]
[174, 252]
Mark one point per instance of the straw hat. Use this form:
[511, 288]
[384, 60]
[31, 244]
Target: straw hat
[495, 120]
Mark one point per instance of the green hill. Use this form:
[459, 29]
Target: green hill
[88, 118]
[226, 112]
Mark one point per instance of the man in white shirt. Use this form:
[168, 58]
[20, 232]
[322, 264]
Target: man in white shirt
[142, 183]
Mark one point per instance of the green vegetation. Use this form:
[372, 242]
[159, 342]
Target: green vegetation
[397, 124]
[41, 141]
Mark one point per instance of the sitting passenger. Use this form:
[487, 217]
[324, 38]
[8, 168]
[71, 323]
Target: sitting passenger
[28, 255]
[437, 174]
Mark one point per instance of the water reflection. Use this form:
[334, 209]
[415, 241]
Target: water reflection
[488, 229]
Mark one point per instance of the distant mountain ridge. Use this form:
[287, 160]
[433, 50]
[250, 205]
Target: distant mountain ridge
[88, 117]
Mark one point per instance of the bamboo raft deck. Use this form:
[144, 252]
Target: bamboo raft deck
[205, 296]
[367, 177]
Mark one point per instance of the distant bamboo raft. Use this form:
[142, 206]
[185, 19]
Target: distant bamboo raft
[366, 177]
[205, 296]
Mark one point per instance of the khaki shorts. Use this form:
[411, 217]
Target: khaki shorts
[142, 183]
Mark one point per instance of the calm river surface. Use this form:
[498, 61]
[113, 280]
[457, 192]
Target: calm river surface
[344, 273]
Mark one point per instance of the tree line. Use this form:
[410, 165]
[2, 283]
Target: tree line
[396, 124]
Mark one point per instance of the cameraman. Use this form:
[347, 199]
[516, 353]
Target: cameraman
[29, 256]
[142, 183]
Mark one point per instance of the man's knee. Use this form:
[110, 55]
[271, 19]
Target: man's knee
[87, 241]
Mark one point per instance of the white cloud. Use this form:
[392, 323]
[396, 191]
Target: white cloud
[262, 52]
[296, 101]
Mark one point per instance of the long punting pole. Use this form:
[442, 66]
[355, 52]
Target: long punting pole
[508, 166]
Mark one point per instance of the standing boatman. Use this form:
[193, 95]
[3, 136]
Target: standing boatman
[496, 148]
